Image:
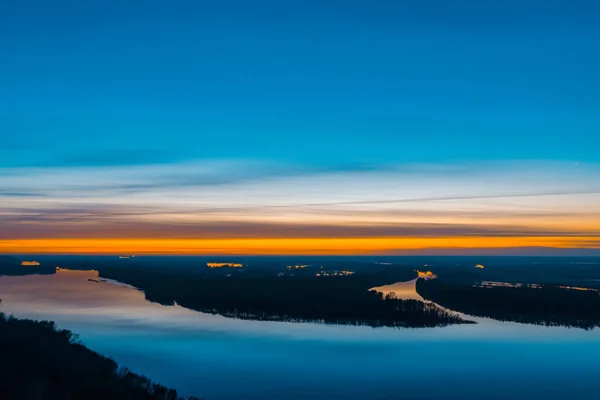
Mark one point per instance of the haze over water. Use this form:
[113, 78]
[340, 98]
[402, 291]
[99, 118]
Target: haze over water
[221, 358]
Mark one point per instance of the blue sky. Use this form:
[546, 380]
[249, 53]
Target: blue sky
[327, 84]
[109, 109]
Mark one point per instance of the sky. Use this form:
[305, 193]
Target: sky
[300, 127]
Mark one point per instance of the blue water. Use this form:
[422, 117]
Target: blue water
[219, 358]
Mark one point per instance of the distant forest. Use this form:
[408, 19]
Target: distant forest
[10, 266]
[38, 361]
[267, 297]
[261, 294]
[548, 305]
[264, 292]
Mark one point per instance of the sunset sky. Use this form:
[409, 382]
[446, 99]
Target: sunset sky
[300, 127]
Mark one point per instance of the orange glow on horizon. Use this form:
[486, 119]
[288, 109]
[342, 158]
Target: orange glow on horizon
[283, 246]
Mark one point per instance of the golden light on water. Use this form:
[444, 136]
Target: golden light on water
[221, 265]
[30, 263]
[427, 275]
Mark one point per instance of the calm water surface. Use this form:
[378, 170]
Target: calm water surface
[220, 358]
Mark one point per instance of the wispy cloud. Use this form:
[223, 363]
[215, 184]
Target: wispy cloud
[19, 194]
[247, 199]
[114, 225]
[442, 198]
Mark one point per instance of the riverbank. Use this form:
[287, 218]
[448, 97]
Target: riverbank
[40, 361]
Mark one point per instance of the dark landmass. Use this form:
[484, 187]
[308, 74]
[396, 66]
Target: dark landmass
[579, 271]
[12, 267]
[7, 261]
[530, 303]
[266, 289]
[38, 361]
[299, 298]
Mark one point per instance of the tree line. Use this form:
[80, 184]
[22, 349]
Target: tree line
[40, 362]
[548, 305]
[336, 300]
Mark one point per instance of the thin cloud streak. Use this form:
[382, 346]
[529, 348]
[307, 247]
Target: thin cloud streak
[20, 194]
[230, 200]
[430, 199]
[94, 226]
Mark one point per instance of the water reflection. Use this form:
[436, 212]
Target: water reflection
[82, 298]
[403, 290]
[408, 291]
[204, 354]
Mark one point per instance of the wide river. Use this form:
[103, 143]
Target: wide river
[219, 358]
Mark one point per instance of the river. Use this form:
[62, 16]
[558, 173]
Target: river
[219, 358]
